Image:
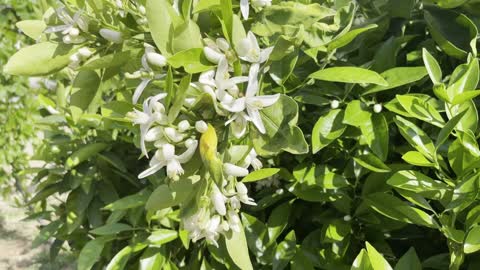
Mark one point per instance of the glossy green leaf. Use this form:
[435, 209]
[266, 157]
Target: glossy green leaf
[376, 259]
[193, 60]
[371, 162]
[91, 253]
[349, 75]
[433, 68]
[418, 159]
[398, 76]
[112, 228]
[362, 262]
[161, 19]
[472, 241]
[409, 261]
[128, 202]
[417, 182]
[284, 252]
[186, 36]
[349, 37]
[238, 250]
[152, 259]
[32, 28]
[162, 236]
[416, 137]
[120, 259]
[84, 91]
[166, 196]
[260, 174]
[39, 59]
[327, 129]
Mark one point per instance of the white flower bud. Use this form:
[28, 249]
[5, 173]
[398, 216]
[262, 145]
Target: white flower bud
[377, 108]
[218, 200]
[67, 39]
[74, 58]
[156, 59]
[334, 104]
[74, 32]
[223, 44]
[142, 9]
[50, 84]
[241, 188]
[119, 3]
[85, 52]
[183, 126]
[234, 170]
[261, 3]
[201, 126]
[347, 218]
[212, 55]
[111, 35]
[173, 134]
[35, 82]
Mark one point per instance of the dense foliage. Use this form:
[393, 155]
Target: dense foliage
[217, 134]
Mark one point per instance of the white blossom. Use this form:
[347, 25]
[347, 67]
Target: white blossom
[234, 170]
[251, 103]
[377, 108]
[201, 126]
[242, 193]
[218, 200]
[334, 104]
[166, 157]
[215, 51]
[71, 27]
[249, 50]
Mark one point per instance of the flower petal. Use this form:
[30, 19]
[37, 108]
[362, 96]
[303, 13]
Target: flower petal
[239, 126]
[263, 101]
[244, 8]
[256, 119]
[139, 90]
[252, 88]
[265, 54]
[153, 169]
[234, 170]
[188, 154]
[237, 105]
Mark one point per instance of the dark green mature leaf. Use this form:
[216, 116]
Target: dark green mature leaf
[91, 253]
[120, 260]
[108, 61]
[282, 133]
[84, 90]
[398, 76]
[39, 59]
[420, 107]
[451, 30]
[284, 252]
[131, 201]
[84, 153]
[278, 220]
[152, 258]
[419, 183]
[162, 236]
[349, 75]
[327, 129]
[166, 196]
[394, 208]
[46, 233]
[349, 37]
[112, 228]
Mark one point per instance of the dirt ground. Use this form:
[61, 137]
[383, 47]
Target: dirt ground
[15, 244]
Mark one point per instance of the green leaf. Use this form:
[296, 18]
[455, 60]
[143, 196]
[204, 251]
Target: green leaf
[452, 31]
[371, 162]
[464, 78]
[472, 241]
[76, 206]
[39, 59]
[108, 61]
[327, 129]
[162, 236]
[416, 158]
[356, 114]
[345, 39]
[433, 68]
[91, 253]
[238, 250]
[349, 75]
[152, 259]
[465, 96]
[32, 28]
[84, 153]
[447, 129]
[166, 196]
[186, 36]
[469, 121]
[409, 261]
[278, 220]
[398, 76]
[362, 262]
[161, 19]
[84, 91]
[416, 137]
[420, 107]
[282, 133]
[179, 98]
[112, 228]
[419, 183]
[376, 259]
[206, 5]
[260, 174]
[46, 233]
[392, 207]
[120, 259]
[284, 252]
[192, 60]
[131, 201]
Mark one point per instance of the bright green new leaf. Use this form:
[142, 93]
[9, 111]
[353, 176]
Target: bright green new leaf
[376, 259]
[260, 174]
[433, 68]
[166, 196]
[327, 129]
[192, 60]
[409, 261]
[472, 241]
[120, 260]
[162, 18]
[32, 28]
[91, 253]
[162, 236]
[398, 76]
[238, 250]
[372, 162]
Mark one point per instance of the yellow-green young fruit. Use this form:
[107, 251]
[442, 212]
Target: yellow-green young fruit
[208, 152]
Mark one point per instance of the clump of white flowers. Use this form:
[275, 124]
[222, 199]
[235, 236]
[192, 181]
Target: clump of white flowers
[72, 27]
[236, 100]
